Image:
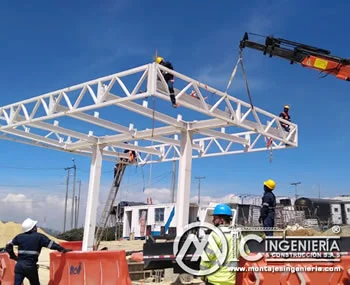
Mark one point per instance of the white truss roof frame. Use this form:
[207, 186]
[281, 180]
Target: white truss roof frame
[221, 123]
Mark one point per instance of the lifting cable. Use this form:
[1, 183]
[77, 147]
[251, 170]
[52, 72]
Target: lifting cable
[234, 71]
[245, 79]
[152, 135]
[240, 61]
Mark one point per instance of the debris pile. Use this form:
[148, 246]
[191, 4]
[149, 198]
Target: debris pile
[10, 229]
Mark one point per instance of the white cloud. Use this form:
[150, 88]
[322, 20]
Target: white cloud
[230, 198]
[48, 209]
[158, 195]
[16, 202]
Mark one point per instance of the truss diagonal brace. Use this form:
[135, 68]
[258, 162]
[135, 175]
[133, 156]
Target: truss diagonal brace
[224, 136]
[34, 137]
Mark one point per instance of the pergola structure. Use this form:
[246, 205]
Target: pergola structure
[92, 119]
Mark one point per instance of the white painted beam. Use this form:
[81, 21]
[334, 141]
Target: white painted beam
[93, 198]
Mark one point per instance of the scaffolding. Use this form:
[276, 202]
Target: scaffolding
[90, 119]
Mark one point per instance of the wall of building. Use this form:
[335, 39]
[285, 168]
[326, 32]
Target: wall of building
[144, 215]
[141, 216]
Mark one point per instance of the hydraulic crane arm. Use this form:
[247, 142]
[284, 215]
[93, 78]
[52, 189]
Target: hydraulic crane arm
[308, 56]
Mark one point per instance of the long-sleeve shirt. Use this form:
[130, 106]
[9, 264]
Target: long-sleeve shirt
[268, 204]
[167, 76]
[30, 245]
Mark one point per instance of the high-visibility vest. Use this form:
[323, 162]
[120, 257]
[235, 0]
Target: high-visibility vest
[225, 275]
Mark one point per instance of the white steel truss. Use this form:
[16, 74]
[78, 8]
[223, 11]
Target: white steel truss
[229, 125]
[91, 119]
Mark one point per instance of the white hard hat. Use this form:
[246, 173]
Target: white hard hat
[28, 225]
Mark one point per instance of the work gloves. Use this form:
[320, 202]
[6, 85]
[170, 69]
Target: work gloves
[66, 250]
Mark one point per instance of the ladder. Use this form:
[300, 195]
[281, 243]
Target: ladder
[110, 202]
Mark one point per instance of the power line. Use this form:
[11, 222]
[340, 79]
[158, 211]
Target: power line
[31, 168]
[30, 185]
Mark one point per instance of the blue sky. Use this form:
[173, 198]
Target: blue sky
[48, 45]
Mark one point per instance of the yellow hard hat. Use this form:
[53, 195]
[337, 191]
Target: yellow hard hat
[286, 107]
[270, 184]
[159, 59]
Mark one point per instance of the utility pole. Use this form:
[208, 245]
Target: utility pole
[199, 187]
[73, 194]
[295, 184]
[319, 191]
[65, 203]
[242, 196]
[173, 182]
[66, 200]
[77, 206]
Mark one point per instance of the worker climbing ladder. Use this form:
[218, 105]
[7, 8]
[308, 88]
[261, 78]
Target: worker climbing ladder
[120, 168]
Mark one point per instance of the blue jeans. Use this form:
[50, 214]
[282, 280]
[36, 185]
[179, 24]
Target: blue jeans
[171, 91]
[286, 128]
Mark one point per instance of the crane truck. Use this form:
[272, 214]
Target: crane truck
[160, 255]
[307, 56]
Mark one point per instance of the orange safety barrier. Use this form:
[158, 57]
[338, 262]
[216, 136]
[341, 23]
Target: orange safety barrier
[310, 276]
[7, 269]
[137, 256]
[73, 245]
[89, 268]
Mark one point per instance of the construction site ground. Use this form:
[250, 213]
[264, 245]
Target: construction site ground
[10, 230]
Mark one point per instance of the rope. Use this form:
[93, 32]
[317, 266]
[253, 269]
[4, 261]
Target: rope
[271, 155]
[143, 179]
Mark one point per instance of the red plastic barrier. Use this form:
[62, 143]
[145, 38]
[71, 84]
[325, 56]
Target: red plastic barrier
[73, 245]
[89, 268]
[7, 269]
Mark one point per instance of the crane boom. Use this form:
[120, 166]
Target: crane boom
[308, 56]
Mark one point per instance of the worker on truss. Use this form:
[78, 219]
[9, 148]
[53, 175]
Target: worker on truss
[285, 115]
[30, 243]
[225, 275]
[267, 212]
[169, 78]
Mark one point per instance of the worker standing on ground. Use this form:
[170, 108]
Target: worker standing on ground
[169, 78]
[267, 212]
[285, 115]
[225, 275]
[29, 243]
